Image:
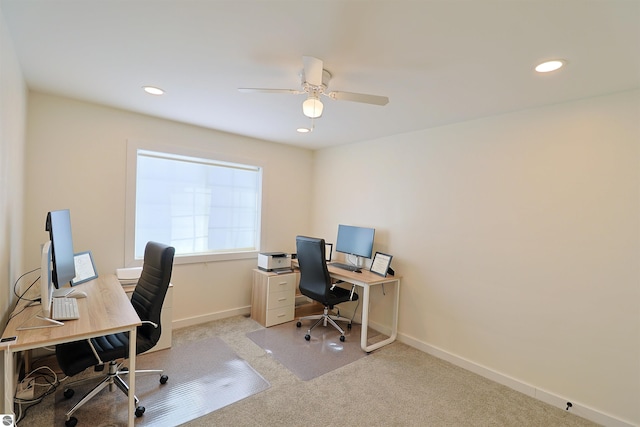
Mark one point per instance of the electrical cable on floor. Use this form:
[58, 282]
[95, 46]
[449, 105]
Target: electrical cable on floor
[50, 379]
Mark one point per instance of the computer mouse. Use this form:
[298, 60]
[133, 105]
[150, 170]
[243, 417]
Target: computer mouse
[77, 294]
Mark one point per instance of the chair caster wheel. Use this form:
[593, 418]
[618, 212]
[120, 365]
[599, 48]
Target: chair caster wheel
[164, 379]
[307, 337]
[342, 338]
[139, 411]
[349, 326]
[71, 422]
[299, 324]
[68, 393]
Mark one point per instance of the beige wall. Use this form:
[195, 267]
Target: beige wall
[518, 237]
[76, 159]
[13, 115]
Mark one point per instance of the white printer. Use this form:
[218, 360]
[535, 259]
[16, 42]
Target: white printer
[270, 261]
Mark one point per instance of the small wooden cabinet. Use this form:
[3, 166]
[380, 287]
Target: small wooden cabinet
[273, 297]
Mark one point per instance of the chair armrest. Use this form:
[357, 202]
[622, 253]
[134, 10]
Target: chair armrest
[155, 325]
[95, 353]
[353, 288]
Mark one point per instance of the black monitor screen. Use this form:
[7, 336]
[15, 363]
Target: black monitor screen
[355, 240]
[59, 227]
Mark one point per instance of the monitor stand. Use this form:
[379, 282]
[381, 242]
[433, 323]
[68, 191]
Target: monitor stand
[45, 322]
[62, 292]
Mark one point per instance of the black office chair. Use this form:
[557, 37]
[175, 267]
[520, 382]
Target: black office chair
[147, 299]
[316, 283]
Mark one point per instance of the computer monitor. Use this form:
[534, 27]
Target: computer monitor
[46, 294]
[46, 282]
[57, 264]
[58, 225]
[356, 241]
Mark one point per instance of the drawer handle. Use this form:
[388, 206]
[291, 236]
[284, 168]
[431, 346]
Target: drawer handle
[282, 299]
[282, 283]
[281, 315]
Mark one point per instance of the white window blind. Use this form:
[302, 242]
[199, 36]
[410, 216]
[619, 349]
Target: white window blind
[198, 205]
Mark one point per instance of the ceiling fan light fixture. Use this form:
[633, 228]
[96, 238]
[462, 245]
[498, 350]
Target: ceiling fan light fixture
[312, 107]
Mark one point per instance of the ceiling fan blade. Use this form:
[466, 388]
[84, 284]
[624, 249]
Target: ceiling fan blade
[359, 97]
[262, 90]
[312, 70]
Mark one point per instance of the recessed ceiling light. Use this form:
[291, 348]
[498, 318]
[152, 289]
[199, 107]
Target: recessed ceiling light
[548, 66]
[153, 90]
[303, 130]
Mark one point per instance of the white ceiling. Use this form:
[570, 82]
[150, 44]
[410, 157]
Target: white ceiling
[439, 62]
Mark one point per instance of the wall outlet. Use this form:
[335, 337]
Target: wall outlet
[26, 390]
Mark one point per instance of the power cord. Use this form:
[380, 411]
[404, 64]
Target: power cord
[15, 285]
[355, 310]
[22, 295]
[40, 377]
[49, 380]
[31, 304]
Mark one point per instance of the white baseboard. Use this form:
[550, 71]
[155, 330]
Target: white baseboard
[196, 320]
[552, 399]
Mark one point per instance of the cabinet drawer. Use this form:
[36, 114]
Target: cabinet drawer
[285, 282]
[279, 315]
[273, 297]
[280, 299]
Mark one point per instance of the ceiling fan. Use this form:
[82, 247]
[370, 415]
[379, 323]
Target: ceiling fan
[315, 82]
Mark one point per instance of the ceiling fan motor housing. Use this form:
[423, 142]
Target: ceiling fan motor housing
[313, 89]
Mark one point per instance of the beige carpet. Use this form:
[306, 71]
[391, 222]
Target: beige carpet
[309, 359]
[394, 386]
[204, 376]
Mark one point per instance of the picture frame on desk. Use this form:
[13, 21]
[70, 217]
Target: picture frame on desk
[328, 251]
[85, 268]
[380, 264]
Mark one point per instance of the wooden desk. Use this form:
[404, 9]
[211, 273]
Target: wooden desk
[106, 310]
[365, 280]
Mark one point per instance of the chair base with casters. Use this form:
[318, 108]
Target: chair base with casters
[112, 380]
[316, 283]
[325, 318]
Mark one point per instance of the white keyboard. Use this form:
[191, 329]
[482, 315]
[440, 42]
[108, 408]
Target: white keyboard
[64, 309]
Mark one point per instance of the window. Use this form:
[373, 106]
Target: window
[202, 206]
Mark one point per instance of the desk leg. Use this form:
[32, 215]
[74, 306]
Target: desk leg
[132, 375]
[365, 320]
[9, 386]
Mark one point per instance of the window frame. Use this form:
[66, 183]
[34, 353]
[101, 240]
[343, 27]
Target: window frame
[175, 150]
